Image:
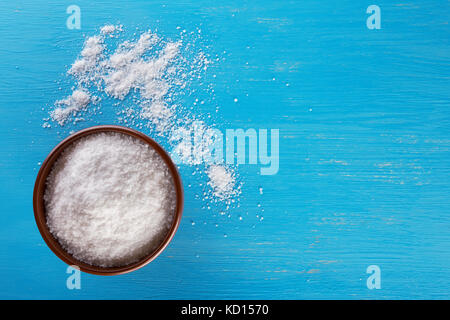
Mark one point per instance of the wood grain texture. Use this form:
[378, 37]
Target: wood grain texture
[364, 149]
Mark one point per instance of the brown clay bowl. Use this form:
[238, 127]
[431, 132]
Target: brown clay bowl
[39, 206]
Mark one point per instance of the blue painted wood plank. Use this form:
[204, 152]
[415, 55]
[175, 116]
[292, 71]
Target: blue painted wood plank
[364, 149]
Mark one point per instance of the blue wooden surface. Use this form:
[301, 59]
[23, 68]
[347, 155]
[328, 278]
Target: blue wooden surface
[364, 149]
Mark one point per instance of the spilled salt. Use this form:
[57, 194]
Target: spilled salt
[108, 29]
[110, 199]
[155, 73]
[93, 48]
[71, 105]
[222, 181]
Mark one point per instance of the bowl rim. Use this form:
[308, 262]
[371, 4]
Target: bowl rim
[39, 206]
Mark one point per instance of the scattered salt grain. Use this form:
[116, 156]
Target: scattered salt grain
[91, 53]
[108, 29]
[221, 181]
[110, 199]
[77, 101]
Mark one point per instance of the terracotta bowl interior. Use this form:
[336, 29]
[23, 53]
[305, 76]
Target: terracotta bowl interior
[39, 206]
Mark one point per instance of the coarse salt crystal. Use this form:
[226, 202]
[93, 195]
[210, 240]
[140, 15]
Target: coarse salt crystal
[221, 181]
[77, 101]
[109, 28]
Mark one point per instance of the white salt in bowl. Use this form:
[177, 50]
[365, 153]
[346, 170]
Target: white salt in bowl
[40, 209]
